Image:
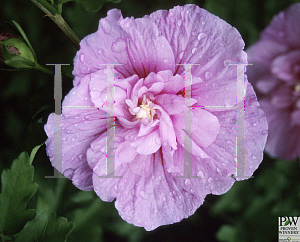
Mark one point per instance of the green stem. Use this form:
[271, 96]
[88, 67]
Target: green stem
[43, 69]
[56, 17]
[46, 7]
[62, 24]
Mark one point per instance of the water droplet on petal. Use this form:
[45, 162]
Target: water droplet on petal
[179, 22]
[208, 75]
[200, 174]
[100, 52]
[194, 50]
[251, 167]
[119, 45]
[81, 57]
[144, 195]
[181, 54]
[165, 60]
[209, 179]
[164, 199]
[254, 124]
[264, 132]
[203, 23]
[159, 178]
[201, 36]
[187, 182]
[106, 26]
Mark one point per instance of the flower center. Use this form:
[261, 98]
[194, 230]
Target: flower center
[297, 88]
[146, 110]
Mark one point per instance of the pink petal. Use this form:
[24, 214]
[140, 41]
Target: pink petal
[196, 36]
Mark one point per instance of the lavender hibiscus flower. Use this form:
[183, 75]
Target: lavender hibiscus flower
[275, 75]
[149, 114]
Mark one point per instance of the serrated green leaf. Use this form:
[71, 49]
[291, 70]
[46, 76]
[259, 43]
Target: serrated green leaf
[17, 189]
[94, 5]
[287, 223]
[46, 227]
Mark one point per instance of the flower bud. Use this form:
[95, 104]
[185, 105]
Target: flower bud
[15, 52]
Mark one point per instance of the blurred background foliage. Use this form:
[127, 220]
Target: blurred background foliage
[248, 212]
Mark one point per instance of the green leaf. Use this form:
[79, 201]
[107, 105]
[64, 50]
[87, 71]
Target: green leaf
[94, 5]
[33, 152]
[287, 223]
[17, 189]
[46, 227]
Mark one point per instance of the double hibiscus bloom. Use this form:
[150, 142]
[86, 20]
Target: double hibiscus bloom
[149, 110]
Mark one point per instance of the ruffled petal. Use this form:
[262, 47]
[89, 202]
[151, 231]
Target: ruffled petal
[80, 126]
[197, 36]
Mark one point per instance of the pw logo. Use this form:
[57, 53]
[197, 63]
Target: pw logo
[291, 221]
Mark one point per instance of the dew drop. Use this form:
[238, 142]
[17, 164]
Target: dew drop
[100, 52]
[200, 174]
[75, 125]
[222, 149]
[63, 139]
[254, 124]
[116, 187]
[106, 26]
[187, 182]
[253, 157]
[165, 60]
[74, 93]
[203, 23]
[144, 195]
[251, 167]
[73, 139]
[159, 178]
[209, 179]
[181, 54]
[164, 199]
[81, 57]
[118, 46]
[132, 192]
[194, 50]
[208, 75]
[179, 22]
[264, 132]
[201, 36]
